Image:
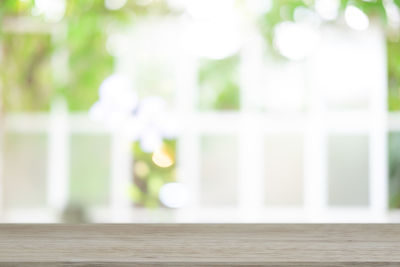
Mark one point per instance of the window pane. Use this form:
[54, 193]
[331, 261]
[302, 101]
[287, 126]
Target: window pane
[25, 159]
[218, 83]
[394, 170]
[348, 170]
[393, 58]
[153, 170]
[284, 169]
[219, 172]
[280, 93]
[25, 71]
[90, 169]
[154, 68]
[346, 68]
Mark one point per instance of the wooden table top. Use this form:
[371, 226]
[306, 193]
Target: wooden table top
[200, 244]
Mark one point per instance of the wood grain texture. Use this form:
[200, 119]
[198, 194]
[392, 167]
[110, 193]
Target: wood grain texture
[200, 245]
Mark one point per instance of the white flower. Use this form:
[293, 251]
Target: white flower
[116, 102]
[116, 92]
[146, 121]
[149, 124]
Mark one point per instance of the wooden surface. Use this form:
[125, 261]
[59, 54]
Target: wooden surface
[200, 245]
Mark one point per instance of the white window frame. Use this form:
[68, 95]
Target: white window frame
[249, 125]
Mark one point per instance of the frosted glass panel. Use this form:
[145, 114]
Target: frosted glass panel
[348, 170]
[90, 169]
[283, 170]
[219, 171]
[154, 64]
[348, 65]
[25, 157]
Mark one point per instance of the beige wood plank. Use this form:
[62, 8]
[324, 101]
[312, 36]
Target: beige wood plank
[200, 244]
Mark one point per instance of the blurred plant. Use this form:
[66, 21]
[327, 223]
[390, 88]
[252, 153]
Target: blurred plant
[355, 13]
[15, 8]
[25, 62]
[146, 121]
[219, 85]
[25, 72]
[394, 170]
[151, 172]
[87, 24]
[85, 27]
[321, 11]
[393, 59]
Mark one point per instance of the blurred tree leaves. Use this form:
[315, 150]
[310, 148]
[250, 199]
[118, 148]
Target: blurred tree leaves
[283, 10]
[26, 71]
[89, 62]
[147, 184]
[219, 85]
[15, 8]
[393, 59]
[88, 23]
[394, 170]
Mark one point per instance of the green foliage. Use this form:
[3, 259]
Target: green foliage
[219, 85]
[89, 62]
[283, 10]
[394, 170]
[15, 8]
[147, 183]
[26, 71]
[393, 59]
[87, 22]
